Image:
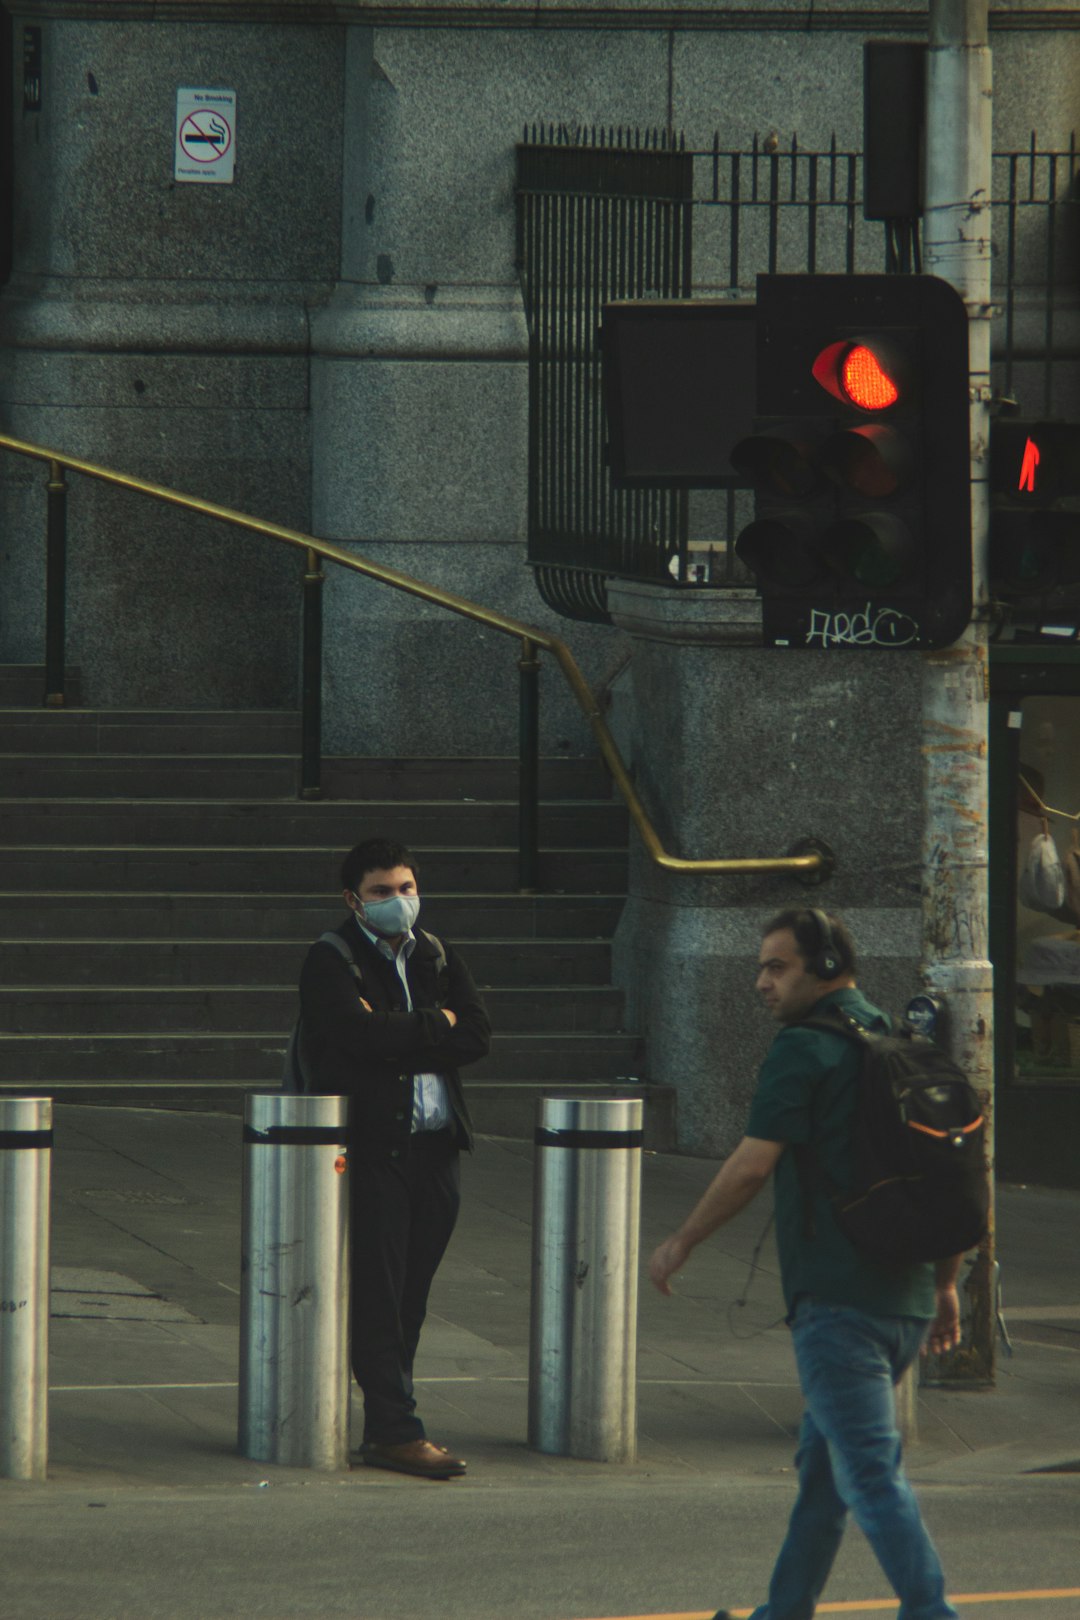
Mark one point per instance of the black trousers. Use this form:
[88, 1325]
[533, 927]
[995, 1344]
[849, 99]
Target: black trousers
[403, 1212]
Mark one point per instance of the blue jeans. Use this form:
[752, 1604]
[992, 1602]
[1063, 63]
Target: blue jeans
[849, 1461]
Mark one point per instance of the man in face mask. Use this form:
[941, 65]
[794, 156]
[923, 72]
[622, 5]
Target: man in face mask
[390, 1030]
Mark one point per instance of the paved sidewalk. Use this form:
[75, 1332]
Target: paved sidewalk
[143, 1372]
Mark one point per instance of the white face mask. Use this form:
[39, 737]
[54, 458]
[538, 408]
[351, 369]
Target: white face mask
[393, 916]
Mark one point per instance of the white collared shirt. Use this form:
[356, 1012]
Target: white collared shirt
[431, 1109]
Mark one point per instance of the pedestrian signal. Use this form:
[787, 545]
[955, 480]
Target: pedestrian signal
[1035, 515]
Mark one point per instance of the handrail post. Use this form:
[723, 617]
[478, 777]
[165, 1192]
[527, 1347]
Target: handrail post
[55, 585]
[528, 768]
[311, 680]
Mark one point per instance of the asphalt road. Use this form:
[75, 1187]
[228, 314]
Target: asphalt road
[575, 1549]
[149, 1513]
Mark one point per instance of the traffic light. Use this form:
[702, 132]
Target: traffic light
[1034, 539]
[860, 462]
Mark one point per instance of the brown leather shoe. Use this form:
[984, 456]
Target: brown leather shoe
[418, 1457]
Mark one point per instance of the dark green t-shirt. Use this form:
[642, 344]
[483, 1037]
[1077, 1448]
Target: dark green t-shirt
[806, 1093]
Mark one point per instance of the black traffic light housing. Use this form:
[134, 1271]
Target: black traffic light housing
[860, 462]
[678, 390]
[1034, 532]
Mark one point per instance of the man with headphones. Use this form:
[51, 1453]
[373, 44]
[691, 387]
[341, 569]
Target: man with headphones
[856, 1326]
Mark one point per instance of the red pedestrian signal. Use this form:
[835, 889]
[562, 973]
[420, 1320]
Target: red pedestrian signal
[1028, 465]
[1038, 459]
[1034, 520]
[860, 462]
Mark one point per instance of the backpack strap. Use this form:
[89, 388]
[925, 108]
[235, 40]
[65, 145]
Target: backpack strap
[331, 937]
[441, 950]
[334, 939]
[440, 964]
[294, 1077]
[812, 1177]
[835, 1021]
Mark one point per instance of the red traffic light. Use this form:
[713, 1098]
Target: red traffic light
[860, 462]
[860, 373]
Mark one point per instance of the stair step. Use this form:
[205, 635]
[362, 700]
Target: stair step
[458, 917]
[160, 776]
[311, 867]
[257, 769]
[250, 824]
[186, 734]
[257, 1059]
[23, 685]
[453, 778]
[217, 1009]
[136, 732]
[199, 962]
[162, 882]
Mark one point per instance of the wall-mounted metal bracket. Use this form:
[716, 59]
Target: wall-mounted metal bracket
[814, 846]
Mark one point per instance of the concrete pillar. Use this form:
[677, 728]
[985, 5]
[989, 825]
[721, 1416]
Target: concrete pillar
[420, 398]
[740, 750]
[418, 401]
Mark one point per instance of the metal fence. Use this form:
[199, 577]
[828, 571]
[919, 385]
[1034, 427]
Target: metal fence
[1036, 278]
[602, 218]
[594, 224]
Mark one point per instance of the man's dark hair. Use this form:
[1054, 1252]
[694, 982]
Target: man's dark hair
[375, 855]
[812, 942]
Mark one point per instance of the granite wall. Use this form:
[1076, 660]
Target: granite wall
[336, 339]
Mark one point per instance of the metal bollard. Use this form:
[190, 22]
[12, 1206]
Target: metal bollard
[294, 1308]
[25, 1168]
[583, 1339]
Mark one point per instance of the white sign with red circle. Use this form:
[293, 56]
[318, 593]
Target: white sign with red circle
[205, 136]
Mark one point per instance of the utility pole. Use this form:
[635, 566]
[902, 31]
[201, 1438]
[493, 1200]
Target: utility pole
[956, 684]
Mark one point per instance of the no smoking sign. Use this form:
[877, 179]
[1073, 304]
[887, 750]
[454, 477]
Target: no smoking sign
[205, 136]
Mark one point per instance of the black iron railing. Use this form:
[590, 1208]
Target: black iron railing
[602, 216]
[1037, 276]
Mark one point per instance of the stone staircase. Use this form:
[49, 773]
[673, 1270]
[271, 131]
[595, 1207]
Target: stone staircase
[160, 882]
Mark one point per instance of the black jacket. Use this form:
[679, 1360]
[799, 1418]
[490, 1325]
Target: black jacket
[371, 1057]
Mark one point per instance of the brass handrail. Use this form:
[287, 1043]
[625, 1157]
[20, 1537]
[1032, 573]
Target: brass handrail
[809, 861]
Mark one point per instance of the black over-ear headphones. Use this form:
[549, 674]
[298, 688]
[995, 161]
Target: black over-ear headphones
[825, 962]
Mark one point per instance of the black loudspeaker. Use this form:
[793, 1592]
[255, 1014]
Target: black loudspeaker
[825, 962]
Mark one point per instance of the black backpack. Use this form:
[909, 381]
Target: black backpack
[296, 1073]
[920, 1188]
